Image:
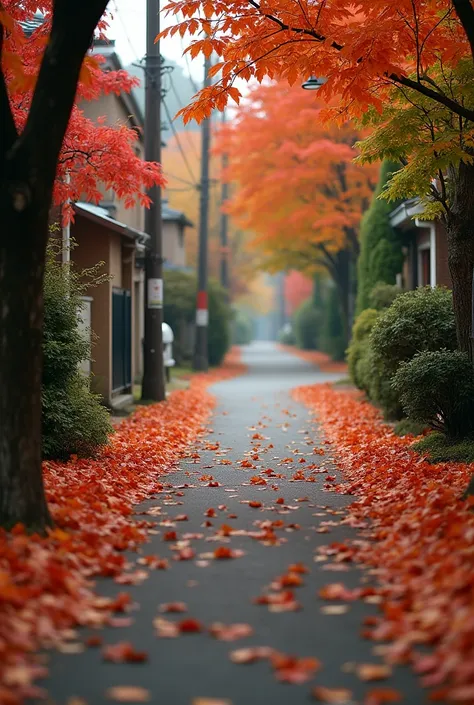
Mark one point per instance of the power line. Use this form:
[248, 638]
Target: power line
[124, 27]
[183, 181]
[178, 142]
[181, 105]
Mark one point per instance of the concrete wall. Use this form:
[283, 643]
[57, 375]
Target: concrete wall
[173, 244]
[92, 247]
[112, 108]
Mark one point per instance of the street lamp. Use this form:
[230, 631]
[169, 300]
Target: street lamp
[313, 83]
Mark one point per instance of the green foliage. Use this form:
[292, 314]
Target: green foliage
[408, 427]
[287, 336]
[307, 326]
[180, 308]
[242, 329]
[441, 449]
[427, 137]
[416, 321]
[333, 337]
[73, 419]
[220, 317]
[436, 388]
[383, 295]
[381, 257]
[358, 346]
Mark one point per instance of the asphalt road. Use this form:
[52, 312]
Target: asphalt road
[180, 670]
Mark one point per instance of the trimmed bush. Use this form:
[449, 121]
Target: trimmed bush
[381, 256]
[286, 336]
[440, 449]
[383, 295]
[358, 346]
[73, 419]
[179, 309]
[333, 337]
[242, 329]
[416, 321]
[437, 389]
[307, 326]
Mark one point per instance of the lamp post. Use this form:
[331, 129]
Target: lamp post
[313, 83]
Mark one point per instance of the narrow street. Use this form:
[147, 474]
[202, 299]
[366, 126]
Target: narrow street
[255, 415]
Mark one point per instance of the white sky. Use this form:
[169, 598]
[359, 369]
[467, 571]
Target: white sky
[128, 28]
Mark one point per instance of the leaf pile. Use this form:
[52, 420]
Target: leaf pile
[420, 541]
[45, 582]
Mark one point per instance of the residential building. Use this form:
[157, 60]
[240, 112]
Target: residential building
[424, 245]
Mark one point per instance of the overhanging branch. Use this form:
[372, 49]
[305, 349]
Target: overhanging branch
[8, 131]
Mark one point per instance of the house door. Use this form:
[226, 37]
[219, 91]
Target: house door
[121, 339]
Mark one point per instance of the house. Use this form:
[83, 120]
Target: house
[110, 233]
[424, 246]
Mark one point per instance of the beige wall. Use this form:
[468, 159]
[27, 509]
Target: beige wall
[112, 108]
[173, 251]
[92, 246]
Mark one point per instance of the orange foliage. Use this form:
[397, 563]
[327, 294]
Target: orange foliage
[362, 49]
[296, 185]
[419, 537]
[44, 581]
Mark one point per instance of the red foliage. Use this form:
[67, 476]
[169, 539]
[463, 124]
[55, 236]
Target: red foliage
[44, 581]
[420, 538]
[298, 288]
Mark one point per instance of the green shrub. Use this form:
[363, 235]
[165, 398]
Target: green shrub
[286, 336]
[437, 389]
[179, 308]
[381, 256]
[383, 295]
[73, 419]
[333, 335]
[441, 449]
[220, 317]
[307, 326]
[242, 329]
[416, 321]
[359, 343]
[408, 427]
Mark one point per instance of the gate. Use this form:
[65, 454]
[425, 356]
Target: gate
[121, 339]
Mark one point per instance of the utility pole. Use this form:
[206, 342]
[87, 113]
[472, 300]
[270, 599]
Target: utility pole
[201, 361]
[224, 268]
[153, 385]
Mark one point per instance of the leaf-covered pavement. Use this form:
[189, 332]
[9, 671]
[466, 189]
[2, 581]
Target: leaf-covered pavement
[250, 609]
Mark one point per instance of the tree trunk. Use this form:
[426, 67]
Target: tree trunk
[460, 234]
[22, 261]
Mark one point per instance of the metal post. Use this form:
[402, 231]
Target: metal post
[153, 385]
[224, 268]
[201, 361]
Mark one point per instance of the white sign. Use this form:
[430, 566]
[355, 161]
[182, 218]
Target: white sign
[202, 317]
[155, 293]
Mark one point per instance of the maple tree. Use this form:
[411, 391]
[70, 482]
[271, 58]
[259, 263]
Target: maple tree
[182, 172]
[298, 288]
[43, 137]
[297, 186]
[415, 57]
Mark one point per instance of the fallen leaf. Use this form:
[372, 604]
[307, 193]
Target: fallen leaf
[373, 671]
[128, 694]
[173, 607]
[379, 696]
[254, 504]
[251, 654]
[123, 652]
[189, 626]
[334, 609]
[338, 696]
[230, 632]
